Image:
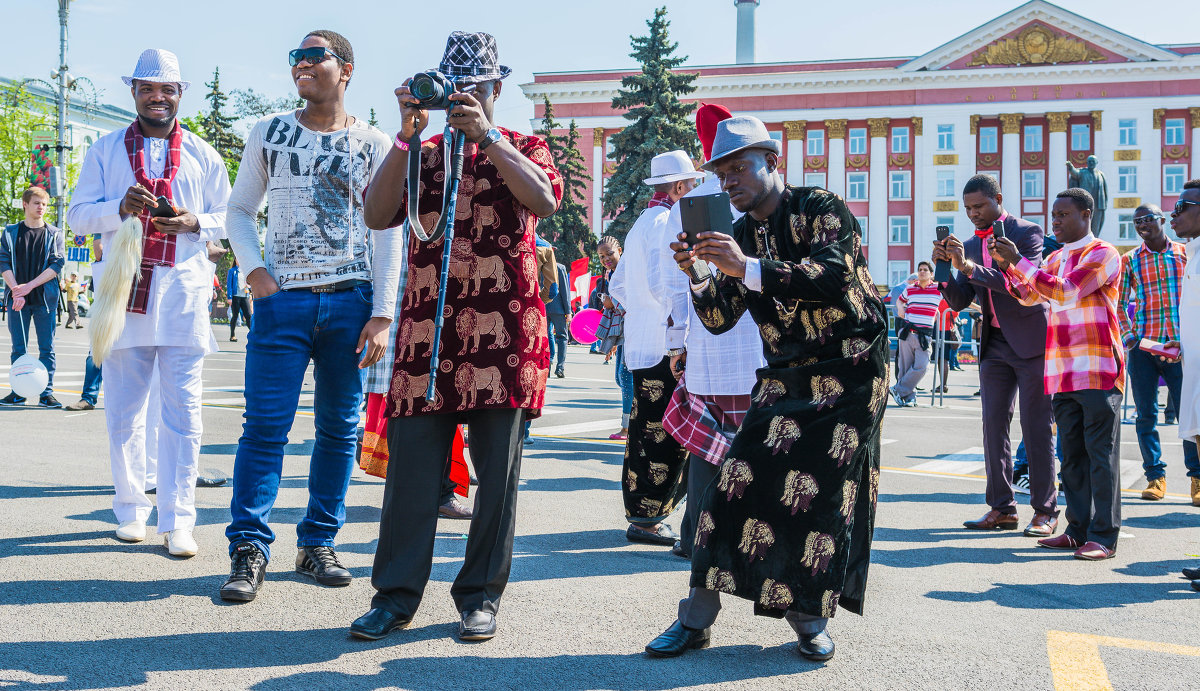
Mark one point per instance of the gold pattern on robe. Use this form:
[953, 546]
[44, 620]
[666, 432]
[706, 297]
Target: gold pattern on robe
[769, 391]
[719, 580]
[655, 430]
[771, 336]
[812, 269]
[658, 473]
[735, 476]
[799, 230]
[799, 489]
[849, 495]
[829, 602]
[775, 595]
[653, 389]
[878, 394]
[650, 507]
[858, 301]
[704, 528]
[855, 348]
[845, 443]
[631, 480]
[826, 390]
[782, 434]
[818, 550]
[757, 538]
[874, 486]
[711, 316]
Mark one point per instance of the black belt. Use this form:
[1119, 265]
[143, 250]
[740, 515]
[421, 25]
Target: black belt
[334, 287]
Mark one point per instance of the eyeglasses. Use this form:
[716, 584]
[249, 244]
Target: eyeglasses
[313, 56]
[1182, 204]
[1148, 218]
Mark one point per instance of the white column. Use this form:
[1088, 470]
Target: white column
[922, 229]
[1056, 179]
[877, 198]
[794, 131]
[1150, 172]
[836, 135]
[597, 181]
[1010, 166]
[1194, 169]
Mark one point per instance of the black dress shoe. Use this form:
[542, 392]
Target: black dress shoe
[477, 626]
[678, 550]
[321, 563]
[1195, 585]
[1192, 574]
[378, 623]
[248, 569]
[663, 536]
[817, 647]
[677, 640]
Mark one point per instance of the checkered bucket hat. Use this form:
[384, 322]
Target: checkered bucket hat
[472, 57]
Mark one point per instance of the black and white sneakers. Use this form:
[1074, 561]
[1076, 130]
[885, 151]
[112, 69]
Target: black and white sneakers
[321, 563]
[248, 568]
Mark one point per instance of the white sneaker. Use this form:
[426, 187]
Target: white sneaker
[1021, 484]
[180, 543]
[132, 531]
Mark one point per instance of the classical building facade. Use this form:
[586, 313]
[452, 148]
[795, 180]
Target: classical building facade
[1018, 97]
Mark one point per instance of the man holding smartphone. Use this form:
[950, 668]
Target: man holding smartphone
[167, 325]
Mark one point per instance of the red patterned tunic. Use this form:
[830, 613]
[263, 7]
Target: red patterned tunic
[494, 352]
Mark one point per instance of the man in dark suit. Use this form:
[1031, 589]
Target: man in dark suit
[1012, 358]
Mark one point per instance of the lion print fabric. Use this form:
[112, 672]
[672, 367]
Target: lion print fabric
[655, 470]
[787, 523]
[493, 352]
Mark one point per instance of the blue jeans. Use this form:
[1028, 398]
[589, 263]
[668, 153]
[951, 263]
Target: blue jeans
[43, 324]
[91, 380]
[290, 328]
[556, 332]
[1144, 371]
[625, 381]
[1021, 464]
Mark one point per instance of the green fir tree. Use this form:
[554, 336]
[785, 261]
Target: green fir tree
[568, 229]
[372, 120]
[659, 122]
[217, 126]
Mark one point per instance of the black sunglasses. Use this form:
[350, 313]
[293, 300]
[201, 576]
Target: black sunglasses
[1183, 204]
[313, 56]
[1148, 218]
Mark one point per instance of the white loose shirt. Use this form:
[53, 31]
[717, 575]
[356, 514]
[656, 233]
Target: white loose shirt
[645, 284]
[1189, 339]
[717, 365]
[177, 313]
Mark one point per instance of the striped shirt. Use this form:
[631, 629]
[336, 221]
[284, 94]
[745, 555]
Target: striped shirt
[1079, 282]
[1151, 281]
[921, 304]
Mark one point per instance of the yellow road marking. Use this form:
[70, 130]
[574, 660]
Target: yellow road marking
[1075, 663]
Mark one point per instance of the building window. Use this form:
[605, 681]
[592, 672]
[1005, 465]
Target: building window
[814, 180]
[1081, 137]
[947, 221]
[610, 149]
[899, 140]
[945, 137]
[1033, 138]
[988, 143]
[862, 225]
[900, 182]
[1173, 177]
[898, 271]
[899, 230]
[945, 183]
[1174, 131]
[1127, 132]
[856, 187]
[1039, 220]
[816, 143]
[858, 141]
[1127, 178]
[1125, 229]
[1033, 184]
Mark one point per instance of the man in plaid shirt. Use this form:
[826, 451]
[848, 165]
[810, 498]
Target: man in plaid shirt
[1085, 368]
[1151, 278]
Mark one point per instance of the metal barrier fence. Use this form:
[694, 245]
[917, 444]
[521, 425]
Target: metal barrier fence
[939, 358]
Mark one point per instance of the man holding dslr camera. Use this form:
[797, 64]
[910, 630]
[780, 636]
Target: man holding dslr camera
[494, 354]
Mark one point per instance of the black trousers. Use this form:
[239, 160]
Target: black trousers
[1089, 424]
[238, 305]
[404, 555]
[700, 474]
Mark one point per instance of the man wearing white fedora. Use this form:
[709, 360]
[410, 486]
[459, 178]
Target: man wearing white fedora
[167, 323]
[654, 294]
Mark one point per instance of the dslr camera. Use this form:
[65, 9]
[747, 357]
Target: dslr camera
[432, 90]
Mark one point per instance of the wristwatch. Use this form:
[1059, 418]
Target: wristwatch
[490, 137]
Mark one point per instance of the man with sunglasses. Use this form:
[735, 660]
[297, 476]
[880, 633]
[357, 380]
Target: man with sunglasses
[1151, 279]
[324, 291]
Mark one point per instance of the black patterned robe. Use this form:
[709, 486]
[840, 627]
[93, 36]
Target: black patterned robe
[788, 521]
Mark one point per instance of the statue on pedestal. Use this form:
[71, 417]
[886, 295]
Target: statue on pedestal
[1093, 181]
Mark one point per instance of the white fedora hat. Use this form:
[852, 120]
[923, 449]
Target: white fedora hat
[157, 65]
[671, 167]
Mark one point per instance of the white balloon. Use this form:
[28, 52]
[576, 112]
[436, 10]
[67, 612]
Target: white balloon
[28, 377]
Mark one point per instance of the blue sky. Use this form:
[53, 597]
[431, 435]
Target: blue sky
[249, 39]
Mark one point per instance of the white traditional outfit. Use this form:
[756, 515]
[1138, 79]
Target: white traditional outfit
[1189, 339]
[173, 334]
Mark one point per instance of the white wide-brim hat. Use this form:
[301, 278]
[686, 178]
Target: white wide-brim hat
[157, 65]
[672, 166]
[738, 134]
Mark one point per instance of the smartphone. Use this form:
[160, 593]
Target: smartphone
[164, 209]
[703, 213]
[941, 269]
[998, 230]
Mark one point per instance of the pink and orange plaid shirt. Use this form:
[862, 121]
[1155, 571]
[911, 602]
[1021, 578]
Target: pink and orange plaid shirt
[1083, 339]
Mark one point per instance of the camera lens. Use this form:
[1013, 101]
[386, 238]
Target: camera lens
[423, 87]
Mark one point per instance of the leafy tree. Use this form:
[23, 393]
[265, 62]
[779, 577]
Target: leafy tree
[568, 229]
[250, 104]
[20, 114]
[217, 126]
[659, 122]
[372, 120]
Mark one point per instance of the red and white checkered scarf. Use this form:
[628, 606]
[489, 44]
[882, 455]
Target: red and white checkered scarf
[158, 249]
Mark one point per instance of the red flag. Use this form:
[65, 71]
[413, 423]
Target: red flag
[580, 279]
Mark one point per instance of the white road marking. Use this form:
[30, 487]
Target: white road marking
[966, 462]
[579, 427]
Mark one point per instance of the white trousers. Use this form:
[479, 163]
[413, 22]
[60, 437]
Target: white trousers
[128, 375]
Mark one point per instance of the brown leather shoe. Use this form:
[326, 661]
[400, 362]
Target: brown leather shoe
[1094, 551]
[1063, 541]
[454, 508]
[993, 520]
[1155, 489]
[1042, 525]
[1196, 491]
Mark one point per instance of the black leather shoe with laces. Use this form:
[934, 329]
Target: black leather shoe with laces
[248, 569]
[321, 562]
